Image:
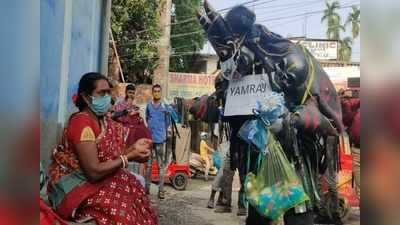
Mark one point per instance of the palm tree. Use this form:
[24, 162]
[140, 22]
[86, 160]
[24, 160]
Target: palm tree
[333, 31]
[354, 20]
[345, 49]
[333, 20]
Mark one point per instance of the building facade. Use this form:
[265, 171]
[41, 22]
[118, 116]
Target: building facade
[73, 41]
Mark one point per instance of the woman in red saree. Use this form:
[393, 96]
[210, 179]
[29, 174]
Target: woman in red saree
[127, 113]
[88, 179]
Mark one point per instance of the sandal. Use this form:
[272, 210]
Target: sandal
[161, 195]
[210, 204]
[223, 209]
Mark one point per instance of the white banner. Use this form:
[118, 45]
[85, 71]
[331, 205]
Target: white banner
[243, 94]
[322, 50]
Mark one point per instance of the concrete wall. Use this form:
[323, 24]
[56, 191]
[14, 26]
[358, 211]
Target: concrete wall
[205, 63]
[212, 64]
[74, 41]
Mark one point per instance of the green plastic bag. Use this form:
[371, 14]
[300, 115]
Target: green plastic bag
[276, 188]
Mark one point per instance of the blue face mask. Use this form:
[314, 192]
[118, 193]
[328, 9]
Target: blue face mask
[100, 104]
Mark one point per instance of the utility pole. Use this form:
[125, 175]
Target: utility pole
[117, 57]
[162, 70]
[305, 25]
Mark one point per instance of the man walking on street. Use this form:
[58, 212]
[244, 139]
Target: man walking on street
[226, 189]
[158, 120]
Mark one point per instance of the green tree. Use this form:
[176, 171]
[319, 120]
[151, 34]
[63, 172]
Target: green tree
[334, 29]
[354, 20]
[345, 49]
[187, 36]
[333, 19]
[134, 24]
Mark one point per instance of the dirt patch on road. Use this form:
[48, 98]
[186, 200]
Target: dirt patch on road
[176, 211]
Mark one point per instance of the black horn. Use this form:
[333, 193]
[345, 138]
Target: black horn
[211, 13]
[203, 19]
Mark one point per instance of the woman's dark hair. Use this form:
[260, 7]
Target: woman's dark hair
[87, 85]
[130, 87]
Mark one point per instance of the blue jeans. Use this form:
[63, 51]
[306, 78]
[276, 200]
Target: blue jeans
[161, 155]
[134, 168]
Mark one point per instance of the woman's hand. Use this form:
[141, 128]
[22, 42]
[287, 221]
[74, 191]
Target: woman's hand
[140, 151]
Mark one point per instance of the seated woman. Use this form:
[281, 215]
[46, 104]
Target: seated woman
[88, 176]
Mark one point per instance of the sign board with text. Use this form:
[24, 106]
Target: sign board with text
[243, 94]
[321, 49]
[190, 85]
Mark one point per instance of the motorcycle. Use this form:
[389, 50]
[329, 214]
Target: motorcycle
[197, 166]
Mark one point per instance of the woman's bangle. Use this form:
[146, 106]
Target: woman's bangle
[126, 160]
[123, 161]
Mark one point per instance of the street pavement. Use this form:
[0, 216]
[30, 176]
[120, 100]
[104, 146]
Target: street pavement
[188, 207]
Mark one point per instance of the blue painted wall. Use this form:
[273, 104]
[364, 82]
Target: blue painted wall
[73, 41]
[51, 42]
[19, 61]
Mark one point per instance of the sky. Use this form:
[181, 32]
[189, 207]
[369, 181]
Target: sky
[278, 16]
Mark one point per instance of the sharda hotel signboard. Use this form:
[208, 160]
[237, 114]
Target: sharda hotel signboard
[190, 85]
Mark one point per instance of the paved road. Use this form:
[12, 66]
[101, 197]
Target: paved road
[189, 207]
